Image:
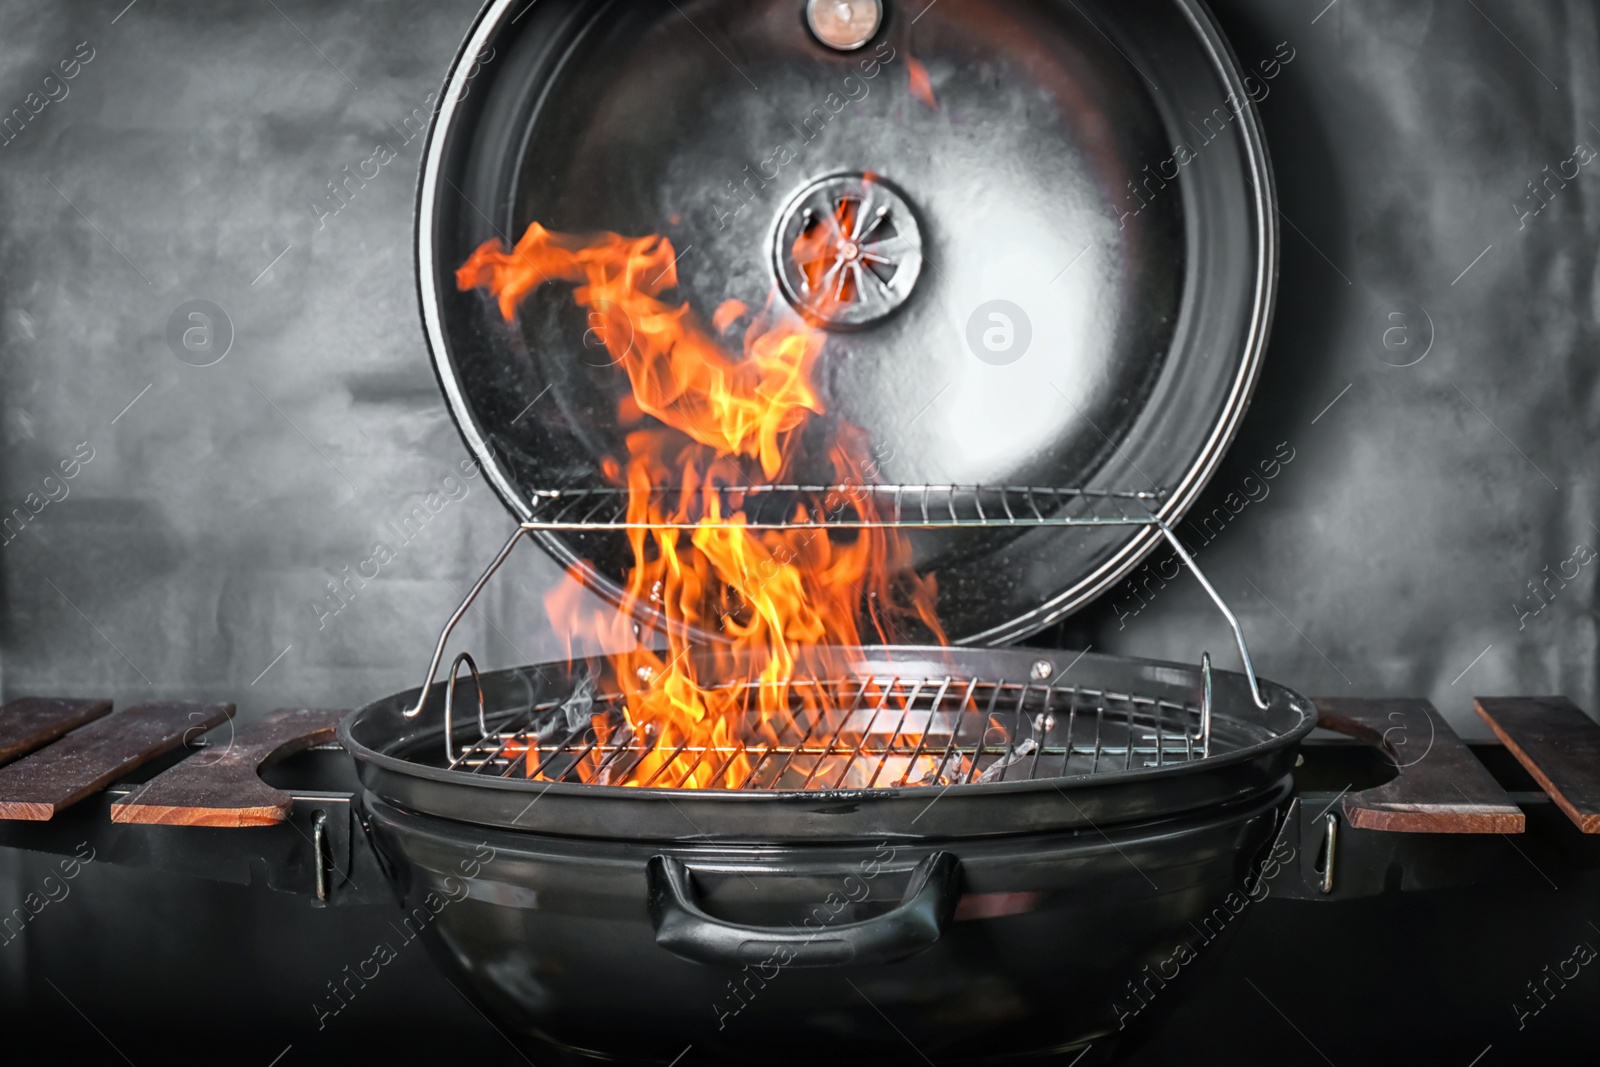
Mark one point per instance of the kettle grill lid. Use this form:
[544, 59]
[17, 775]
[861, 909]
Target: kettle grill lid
[1094, 271]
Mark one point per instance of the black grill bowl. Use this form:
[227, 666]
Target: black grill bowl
[965, 923]
[400, 761]
[1057, 940]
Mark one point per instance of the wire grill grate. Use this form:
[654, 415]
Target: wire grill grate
[771, 507]
[860, 506]
[883, 732]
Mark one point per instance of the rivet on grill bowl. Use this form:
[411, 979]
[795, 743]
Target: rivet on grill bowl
[1041, 669]
[844, 24]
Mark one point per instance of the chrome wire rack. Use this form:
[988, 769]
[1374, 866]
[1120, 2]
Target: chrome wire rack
[880, 732]
[780, 507]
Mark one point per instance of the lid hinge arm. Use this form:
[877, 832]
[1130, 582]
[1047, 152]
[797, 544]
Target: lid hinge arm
[456, 617]
[1222, 606]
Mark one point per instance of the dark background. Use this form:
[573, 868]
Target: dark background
[1388, 558]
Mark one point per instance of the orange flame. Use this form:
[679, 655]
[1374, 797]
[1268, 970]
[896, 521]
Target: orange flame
[727, 313]
[705, 421]
[921, 84]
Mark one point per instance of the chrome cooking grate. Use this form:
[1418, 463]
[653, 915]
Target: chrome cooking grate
[783, 507]
[882, 733]
[778, 507]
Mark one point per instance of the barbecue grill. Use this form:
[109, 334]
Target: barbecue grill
[994, 734]
[901, 834]
[1071, 795]
[1051, 786]
[980, 853]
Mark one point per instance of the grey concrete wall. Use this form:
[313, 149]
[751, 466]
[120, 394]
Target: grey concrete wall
[1393, 555]
[185, 558]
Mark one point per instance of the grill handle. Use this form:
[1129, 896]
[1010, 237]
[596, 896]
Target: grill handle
[684, 929]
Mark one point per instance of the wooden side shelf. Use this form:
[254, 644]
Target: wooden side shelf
[90, 758]
[29, 722]
[1558, 744]
[1441, 788]
[221, 786]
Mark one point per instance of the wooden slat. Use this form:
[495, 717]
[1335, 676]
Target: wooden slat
[90, 758]
[1558, 744]
[28, 722]
[1441, 787]
[221, 786]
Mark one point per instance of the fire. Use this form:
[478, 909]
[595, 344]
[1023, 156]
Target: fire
[728, 313]
[679, 374]
[702, 420]
[921, 84]
[817, 253]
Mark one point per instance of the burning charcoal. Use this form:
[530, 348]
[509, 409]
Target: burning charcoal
[616, 769]
[1026, 748]
[944, 774]
[579, 707]
[572, 715]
